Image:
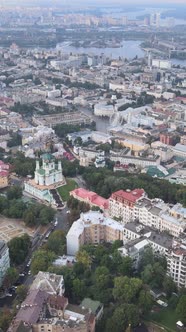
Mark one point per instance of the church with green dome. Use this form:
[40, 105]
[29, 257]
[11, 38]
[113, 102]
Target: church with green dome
[48, 177]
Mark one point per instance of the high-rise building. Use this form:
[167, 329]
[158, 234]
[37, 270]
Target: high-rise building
[4, 260]
[176, 266]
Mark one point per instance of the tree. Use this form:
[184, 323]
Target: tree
[78, 141]
[19, 248]
[41, 261]
[153, 275]
[102, 277]
[173, 301]
[83, 257]
[180, 309]
[29, 217]
[21, 292]
[116, 244]
[79, 289]
[14, 192]
[123, 315]
[125, 267]
[147, 257]
[46, 215]
[125, 289]
[10, 278]
[169, 286]
[147, 274]
[56, 242]
[5, 319]
[145, 301]
[15, 140]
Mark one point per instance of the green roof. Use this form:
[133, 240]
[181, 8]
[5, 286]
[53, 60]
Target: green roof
[41, 171]
[95, 306]
[47, 156]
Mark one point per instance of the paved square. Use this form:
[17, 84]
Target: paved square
[10, 228]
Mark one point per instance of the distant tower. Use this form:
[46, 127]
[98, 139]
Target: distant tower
[149, 59]
[158, 15]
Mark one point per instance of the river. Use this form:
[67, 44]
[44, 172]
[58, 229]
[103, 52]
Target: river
[129, 49]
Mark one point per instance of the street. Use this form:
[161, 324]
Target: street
[62, 218]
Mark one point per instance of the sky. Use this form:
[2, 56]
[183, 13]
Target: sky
[76, 2]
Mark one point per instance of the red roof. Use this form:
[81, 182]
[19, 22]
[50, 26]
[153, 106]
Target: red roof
[91, 197]
[4, 173]
[131, 196]
[181, 98]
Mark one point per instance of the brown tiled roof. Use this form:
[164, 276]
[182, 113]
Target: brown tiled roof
[57, 301]
[32, 306]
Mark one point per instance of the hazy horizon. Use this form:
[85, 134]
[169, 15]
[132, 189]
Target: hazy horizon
[95, 2]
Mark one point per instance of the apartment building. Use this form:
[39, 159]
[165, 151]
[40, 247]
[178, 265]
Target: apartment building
[176, 265]
[4, 260]
[122, 203]
[92, 227]
[155, 213]
[161, 243]
[131, 205]
[68, 118]
[138, 161]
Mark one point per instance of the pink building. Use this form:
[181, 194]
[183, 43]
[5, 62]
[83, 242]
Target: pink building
[4, 174]
[90, 197]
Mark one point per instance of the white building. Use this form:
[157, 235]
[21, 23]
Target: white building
[176, 265]
[47, 178]
[132, 205]
[92, 227]
[51, 283]
[179, 150]
[103, 109]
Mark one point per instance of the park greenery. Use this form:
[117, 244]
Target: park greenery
[64, 191]
[143, 100]
[64, 129]
[22, 165]
[101, 273]
[104, 182]
[12, 206]
[15, 140]
[23, 109]
[79, 85]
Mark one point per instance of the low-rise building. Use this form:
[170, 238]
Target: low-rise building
[95, 307]
[33, 308]
[90, 197]
[51, 283]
